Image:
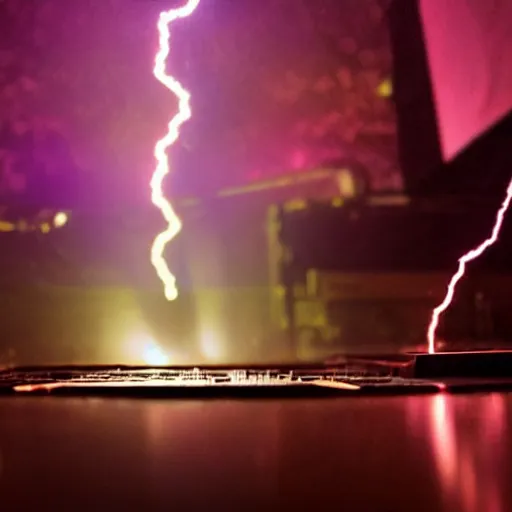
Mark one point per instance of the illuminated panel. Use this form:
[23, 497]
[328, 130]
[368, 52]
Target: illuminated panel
[184, 113]
[469, 256]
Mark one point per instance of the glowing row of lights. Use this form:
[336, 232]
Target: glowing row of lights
[59, 220]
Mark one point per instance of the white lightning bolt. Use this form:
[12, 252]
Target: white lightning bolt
[184, 113]
[466, 258]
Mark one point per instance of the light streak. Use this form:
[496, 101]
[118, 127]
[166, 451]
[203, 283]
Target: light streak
[184, 113]
[469, 256]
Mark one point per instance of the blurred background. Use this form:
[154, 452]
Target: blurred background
[277, 86]
[322, 130]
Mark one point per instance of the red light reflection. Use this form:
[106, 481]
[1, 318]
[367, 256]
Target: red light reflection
[468, 471]
[444, 441]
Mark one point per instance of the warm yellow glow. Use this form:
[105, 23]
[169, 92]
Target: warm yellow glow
[60, 219]
[385, 89]
[346, 183]
[155, 356]
[211, 345]
[140, 347]
[23, 225]
[162, 169]
[7, 227]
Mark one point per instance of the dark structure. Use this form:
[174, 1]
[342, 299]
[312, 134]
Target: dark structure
[483, 168]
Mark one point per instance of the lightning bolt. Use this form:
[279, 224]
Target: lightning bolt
[162, 169]
[469, 256]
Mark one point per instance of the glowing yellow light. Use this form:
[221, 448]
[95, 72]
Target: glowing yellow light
[385, 89]
[162, 169]
[155, 356]
[7, 227]
[210, 344]
[346, 183]
[60, 219]
[140, 346]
